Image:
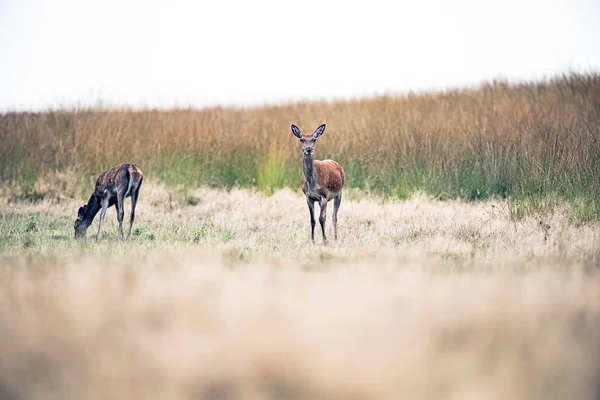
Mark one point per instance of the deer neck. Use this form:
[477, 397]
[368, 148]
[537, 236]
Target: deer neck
[308, 171]
[93, 206]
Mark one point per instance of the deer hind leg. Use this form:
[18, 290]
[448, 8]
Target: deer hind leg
[323, 217]
[102, 214]
[121, 211]
[336, 206]
[311, 210]
[134, 199]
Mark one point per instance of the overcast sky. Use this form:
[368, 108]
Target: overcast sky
[166, 53]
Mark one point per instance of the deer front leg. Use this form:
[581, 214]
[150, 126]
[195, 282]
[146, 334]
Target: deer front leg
[102, 214]
[323, 217]
[311, 210]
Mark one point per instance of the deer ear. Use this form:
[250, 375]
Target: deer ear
[81, 211]
[296, 132]
[320, 130]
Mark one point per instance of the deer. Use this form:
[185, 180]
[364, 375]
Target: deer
[112, 187]
[322, 181]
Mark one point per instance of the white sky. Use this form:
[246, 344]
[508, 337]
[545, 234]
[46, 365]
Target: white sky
[198, 53]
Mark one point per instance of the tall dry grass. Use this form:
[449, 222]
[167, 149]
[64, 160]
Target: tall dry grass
[533, 141]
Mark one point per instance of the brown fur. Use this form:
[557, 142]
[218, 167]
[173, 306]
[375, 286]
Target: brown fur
[117, 176]
[322, 181]
[112, 187]
[330, 177]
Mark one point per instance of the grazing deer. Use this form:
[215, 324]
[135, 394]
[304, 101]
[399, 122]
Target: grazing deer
[112, 187]
[322, 181]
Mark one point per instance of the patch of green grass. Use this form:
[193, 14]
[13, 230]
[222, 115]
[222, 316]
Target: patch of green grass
[583, 210]
[27, 179]
[272, 172]
[32, 223]
[355, 174]
[192, 200]
[59, 237]
[106, 235]
[354, 194]
[204, 230]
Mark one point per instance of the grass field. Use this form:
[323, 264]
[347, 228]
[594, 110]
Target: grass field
[468, 265]
[536, 143]
[228, 299]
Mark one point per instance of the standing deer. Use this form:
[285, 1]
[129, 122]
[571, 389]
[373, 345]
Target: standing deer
[112, 187]
[322, 181]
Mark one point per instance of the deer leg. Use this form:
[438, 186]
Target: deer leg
[323, 217]
[336, 206]
[311, 210]
[102, 214]
[121, 212]
[134, 198]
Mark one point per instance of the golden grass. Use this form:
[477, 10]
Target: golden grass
[523, 140]
[228, 299]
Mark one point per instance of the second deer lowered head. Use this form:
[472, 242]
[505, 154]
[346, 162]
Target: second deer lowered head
[322, 181]
[112, 187]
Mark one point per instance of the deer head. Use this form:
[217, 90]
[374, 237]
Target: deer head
[308, 141]
[82, 222]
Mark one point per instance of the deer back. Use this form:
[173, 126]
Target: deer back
[123, 175]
